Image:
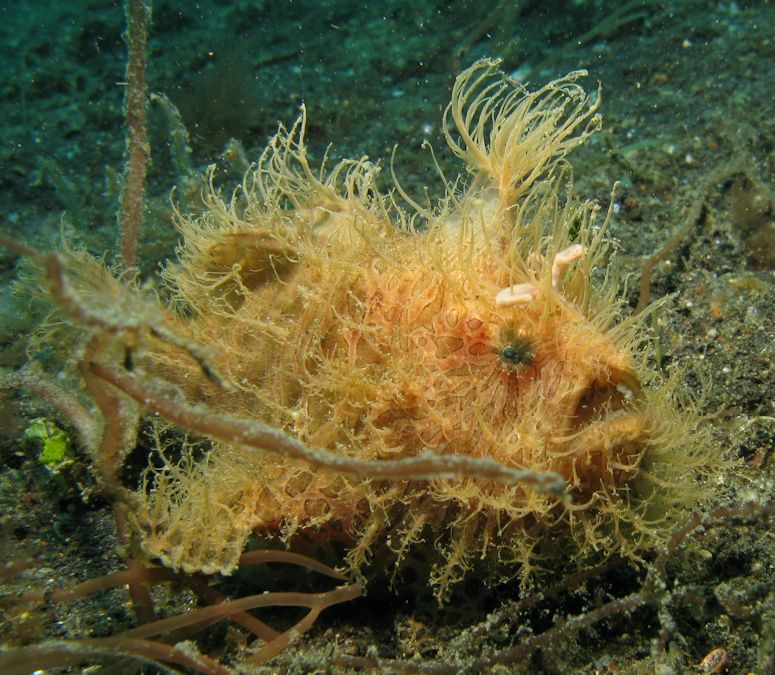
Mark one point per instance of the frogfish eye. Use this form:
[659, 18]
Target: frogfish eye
[518, 351]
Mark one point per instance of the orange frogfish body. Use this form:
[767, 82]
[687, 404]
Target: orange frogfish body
[481, 327]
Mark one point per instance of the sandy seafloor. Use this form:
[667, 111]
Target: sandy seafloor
[688, 91]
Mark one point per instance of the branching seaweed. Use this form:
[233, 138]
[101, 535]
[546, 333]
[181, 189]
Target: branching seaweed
[138, 14]
[135, 641]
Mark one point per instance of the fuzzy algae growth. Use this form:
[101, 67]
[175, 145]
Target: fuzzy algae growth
[473, 328]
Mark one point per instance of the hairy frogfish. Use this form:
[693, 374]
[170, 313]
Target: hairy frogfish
[490, 324]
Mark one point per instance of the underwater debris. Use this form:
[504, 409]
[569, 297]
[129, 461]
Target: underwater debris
[315, 306]
[54, 443]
